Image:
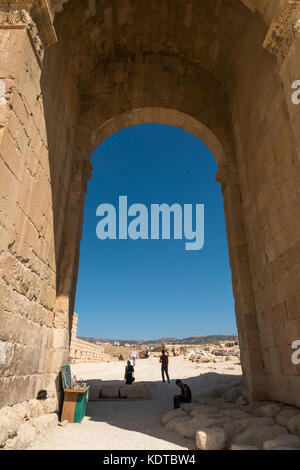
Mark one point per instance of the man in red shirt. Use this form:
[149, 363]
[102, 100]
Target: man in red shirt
[164, 365]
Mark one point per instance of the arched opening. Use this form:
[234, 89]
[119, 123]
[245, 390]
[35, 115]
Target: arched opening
[159, 285]
[222, 71]
[226, 175]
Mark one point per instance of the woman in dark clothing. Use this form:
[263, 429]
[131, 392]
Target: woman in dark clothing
[129, 370]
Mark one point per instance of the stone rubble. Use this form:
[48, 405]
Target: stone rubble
[22, 423]
[222, 351]
[216, 426]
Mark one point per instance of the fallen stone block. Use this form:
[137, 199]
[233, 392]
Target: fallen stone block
[135, 391]
[226, 405]
[110, 391]
[188, 427]
[284, 440]
[251, 407]
[49, 405]
[241, 401]
[218, 359]
[257, 435]
[3, 432]
[10, 419]
[35, 408]
[204, 410]
[285, 415]
[173, 423]
[210, 420]
[236, 414]
[22, 411]
[230, 358]
[25, 437]
[269, 410]
[233, 393]
[243, 447]
[286, 448]
[183, 427]
[210, 439]
[189, 407]
[236, 427]
[43, 423]
[94, 392]
[172, 414]
[293, 425]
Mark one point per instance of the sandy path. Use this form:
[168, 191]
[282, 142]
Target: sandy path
[135, 425]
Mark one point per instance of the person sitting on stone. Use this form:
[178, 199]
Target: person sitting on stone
[129, 370]
[186, 394]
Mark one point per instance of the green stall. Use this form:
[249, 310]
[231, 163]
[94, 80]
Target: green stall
[75, 398]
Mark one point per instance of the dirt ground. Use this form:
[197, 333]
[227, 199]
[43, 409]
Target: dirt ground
[135, 425]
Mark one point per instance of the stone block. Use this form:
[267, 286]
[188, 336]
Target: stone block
[35, 408]
[293, 424]
[257, 435]
[110, 391]
[173, 414]
[284, 440]
[210, 439]
[134, 391]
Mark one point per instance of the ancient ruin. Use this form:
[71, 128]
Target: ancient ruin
[83, 351]
[73, 73]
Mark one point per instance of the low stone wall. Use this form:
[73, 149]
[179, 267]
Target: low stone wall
[22, 423]
[110, 391]
[82, 351]
[116, 351]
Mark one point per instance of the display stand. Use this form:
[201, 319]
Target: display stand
[75, 399]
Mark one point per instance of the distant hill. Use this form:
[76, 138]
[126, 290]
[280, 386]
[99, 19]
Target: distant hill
[156, 342]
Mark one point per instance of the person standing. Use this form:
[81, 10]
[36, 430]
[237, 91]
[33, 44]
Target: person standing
[129, 370]
[164, 366]
[134, 355]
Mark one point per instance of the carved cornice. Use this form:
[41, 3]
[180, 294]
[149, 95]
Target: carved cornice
[284, 29]
[33, 15]
[19, 19]
[44, 19]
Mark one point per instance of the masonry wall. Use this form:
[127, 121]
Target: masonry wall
[35, 169]
[83, 351]
[27, 282]
[267, 139]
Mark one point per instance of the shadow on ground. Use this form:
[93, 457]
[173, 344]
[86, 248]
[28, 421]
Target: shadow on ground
[144, 416]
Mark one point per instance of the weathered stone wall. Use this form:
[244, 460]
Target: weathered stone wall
[22, 423]
[33, 331]
[268, 161]
[83, 351]
[27, 282]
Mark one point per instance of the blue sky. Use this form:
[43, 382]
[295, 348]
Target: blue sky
[146, 289]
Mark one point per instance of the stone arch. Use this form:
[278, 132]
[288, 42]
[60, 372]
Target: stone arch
[227, 175]
[158, 115]
[67, 77]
